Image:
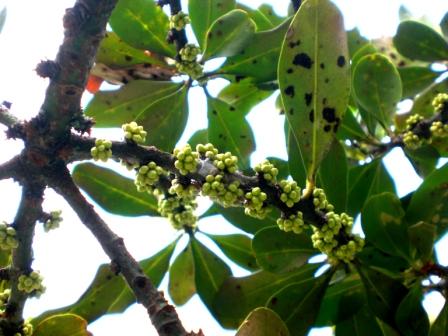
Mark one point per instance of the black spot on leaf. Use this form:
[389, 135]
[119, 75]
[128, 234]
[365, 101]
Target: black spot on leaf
[327, 80]
[231, 108]
[322, 66]
[341, 61]
[329, 114]
[308, 98]
[242, 136]
[254, 61]
[290, 70]
[128, 58]
[289, 91]
[311, 116]
[324, 101]
[327, 128]
[303, 60]
[219, 33]
[291, 111]
[214, 112]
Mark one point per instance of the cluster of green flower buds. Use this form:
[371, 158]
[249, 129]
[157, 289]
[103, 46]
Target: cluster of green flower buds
[320, 200]
[226, 162]
[255, 205]
[225, 194]
[187, 161]
[4, 297]
[193, 69]
[290, 192]
[439, 130]
[26, 329]
[189, 52]
[31, 283]
[54, 221]
[102, 150]
[179, 21]
[326, 238]
[267, 170]
[207, 151]
[179, 211]
[294, 223]
[147, 176]
[134, 133]
[440, 102]
[181, 190]
[410, 139]
[8, 239]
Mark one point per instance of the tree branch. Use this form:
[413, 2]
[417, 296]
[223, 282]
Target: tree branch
[9, 168]
[6, 117]
[163, 316]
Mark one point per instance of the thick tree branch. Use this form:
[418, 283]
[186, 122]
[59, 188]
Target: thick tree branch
[163, 316]
[9, 168]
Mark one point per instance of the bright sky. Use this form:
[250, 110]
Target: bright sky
[34, 34]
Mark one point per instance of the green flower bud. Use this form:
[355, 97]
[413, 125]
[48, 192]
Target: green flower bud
[267, 171]
[187, 161]
[439, 130]
[255, 205]
[189, 52]
[148, 176]
[179, 21]
[8, 239]
[320, 200]
[54, 221]
[412, 141]
[293, 223]
[192, 69]
[31, 283]
[226, 162]
[440, 102]
[290, 193]
[102, 150]
[207, 151]
[134, 133]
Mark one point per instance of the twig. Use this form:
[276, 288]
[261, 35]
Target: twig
[163, 315]
[9, 168]
[6, 117]
[179, 37]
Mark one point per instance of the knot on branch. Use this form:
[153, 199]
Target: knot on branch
[48, 69]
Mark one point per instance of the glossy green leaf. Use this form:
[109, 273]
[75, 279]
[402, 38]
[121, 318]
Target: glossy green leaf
[423, 103]
[440, 325]
[238, 218]
[263, 322]
[361, 324]
[143, 25]
[278, 251]
[114, 52]
[238, 248]
[181, 284]
[365, 181]
[160, 107]
[422, 237]
[382, 223]
[243, 95]
[333, 176]
[210, 273]
[444, 25]
[384, 294]
[377, 86]
[411, 317]
[204, 12]
[366, 49]
[350, 128]
[380, 260]
[264, 16]
[239, 296]
[3, 13]
[114, 193]
[62, 325]
[108, 293]
[230, 131]
[429, 201]
[198, 137]
[297, 166]
[416, 40]
[424, 159]
[314, 79]
[416, 79]
[298, 304]
[260, 56]
[355, 41]
[341, 301]
[228, 35]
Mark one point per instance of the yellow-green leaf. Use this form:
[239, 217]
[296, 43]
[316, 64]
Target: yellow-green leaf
[62, 325]
[263, 322]
[314, 78]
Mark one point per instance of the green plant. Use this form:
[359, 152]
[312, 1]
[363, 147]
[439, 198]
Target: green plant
[338, 94]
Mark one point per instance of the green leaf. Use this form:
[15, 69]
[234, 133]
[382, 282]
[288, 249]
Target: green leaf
[415, 79]
[314, 79]
[210, 273]
[429, 201]
[199, 137]
[384, 294]
[243, 95]
[108, 293]
[278, 251]
[377, 86]
[416, 40]
[333, 176]
[62, 325]
[228, 35]
[355, 41]
[113, 192]
[181, 284]
[3, 13]
[366, 49]
[238, 218]
[296, 161]
[383, 225]
[341, 301]
[364, 182]
[350, 128]
[239, 296]
[423, 102]
[440, 325]
[160, 107]
[143, 25]
[444, 25]
[264, 16]
[114, 52]
[424, 159]
[411, 317]
[260, 56]
[281, 165]
[204, 12]
[361, 324]
[380, 260]
[262, 322]
[229, 131]
[422, 237]
[238, 248]
[298, 304]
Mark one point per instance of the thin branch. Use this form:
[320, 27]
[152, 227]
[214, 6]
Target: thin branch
[6, 117]
[163, 316]
[179, 37]
[9, 168]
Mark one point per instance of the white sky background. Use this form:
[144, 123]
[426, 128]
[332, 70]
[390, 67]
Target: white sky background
[68, 257]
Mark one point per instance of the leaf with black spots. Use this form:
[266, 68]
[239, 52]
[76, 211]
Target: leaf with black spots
[314, 79]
